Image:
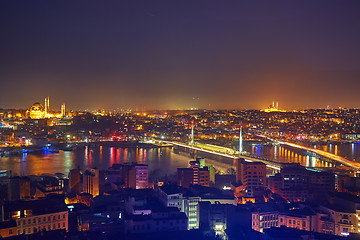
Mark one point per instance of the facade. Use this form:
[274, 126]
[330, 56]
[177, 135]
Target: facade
[38, 215]
[252, 175]
[128, 175]
[263, 220]
[18, 188]
[345, 222]
[303, 219]
[296, 183]
[75, 181]
[188, 202]
[159, 220]
[195, 175]
[8, 229]
[91, 182]
[141, 176]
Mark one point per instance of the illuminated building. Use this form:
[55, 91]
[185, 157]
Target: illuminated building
[196, 175]
[91, 182]
[296, 183]
[129, 175]
[252, 175]
[37, 215]
[8, 229]
[38, 111]
[273, 108]
[141, 176]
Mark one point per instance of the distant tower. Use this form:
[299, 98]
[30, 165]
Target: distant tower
[240, 141]
[192, 133]
[277, 105]
[63, 110]
[47, 106]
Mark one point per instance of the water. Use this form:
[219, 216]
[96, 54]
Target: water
[163, 161]
[282, 153]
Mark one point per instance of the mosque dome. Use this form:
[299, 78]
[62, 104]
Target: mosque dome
[37, 111]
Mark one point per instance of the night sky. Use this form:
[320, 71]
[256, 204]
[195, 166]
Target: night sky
[180, 54]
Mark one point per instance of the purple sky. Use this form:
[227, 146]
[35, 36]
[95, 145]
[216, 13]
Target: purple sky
[180, 54]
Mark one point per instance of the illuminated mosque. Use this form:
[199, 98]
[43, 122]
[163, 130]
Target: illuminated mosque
[38, 111]
[274, 108]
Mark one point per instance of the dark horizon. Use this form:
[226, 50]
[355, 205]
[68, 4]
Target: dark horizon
[170, 55]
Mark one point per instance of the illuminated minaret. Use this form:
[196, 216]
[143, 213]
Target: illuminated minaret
[192, 133]
[277, 105]
[47, 106]
[63, 110]
[240, 141]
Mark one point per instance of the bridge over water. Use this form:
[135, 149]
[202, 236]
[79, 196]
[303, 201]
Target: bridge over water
[221, 151]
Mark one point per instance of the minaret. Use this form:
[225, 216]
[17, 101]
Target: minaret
[47, 106]
[192, 133]
[63, 110]
[240, 141]
[277, 105]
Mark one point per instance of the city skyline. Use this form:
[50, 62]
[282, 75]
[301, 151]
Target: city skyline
[205, 55]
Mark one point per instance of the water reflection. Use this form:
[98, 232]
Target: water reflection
[162, 161]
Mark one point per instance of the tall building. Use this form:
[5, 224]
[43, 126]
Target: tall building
[195, 175]
[18, 188]
[252, 176]
[91, 182]
[296, 183]
[75, 181]
[128, 175]
[141, 176]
